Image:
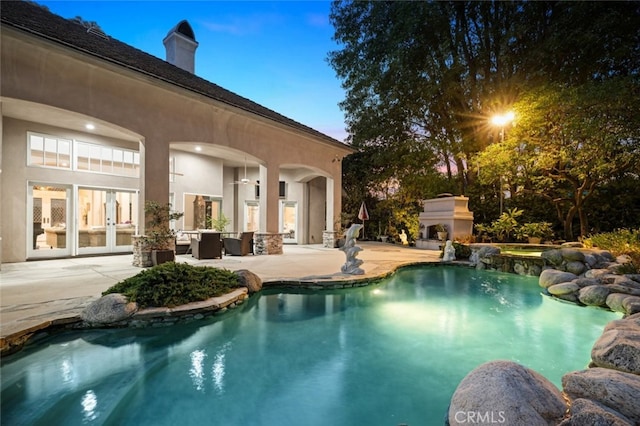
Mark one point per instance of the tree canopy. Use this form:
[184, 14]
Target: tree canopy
[422, 80]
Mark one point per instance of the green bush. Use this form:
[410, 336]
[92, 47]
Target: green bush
[620, 241]
[172, 284]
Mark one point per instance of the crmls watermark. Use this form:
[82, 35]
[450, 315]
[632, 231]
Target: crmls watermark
[474, 417]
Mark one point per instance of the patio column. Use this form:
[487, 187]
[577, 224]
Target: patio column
[268, 240]
[332, 217]
[154, 174]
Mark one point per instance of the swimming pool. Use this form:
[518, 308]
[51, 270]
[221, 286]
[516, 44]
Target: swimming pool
[387, 354]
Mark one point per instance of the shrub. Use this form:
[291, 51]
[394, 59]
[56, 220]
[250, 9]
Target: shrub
[620, 241]
[172, 284]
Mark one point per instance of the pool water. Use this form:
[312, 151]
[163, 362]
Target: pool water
[387, 354]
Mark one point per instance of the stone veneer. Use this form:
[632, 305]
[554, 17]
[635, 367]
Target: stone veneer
[141, 252]
[268, 243]
[329, 239]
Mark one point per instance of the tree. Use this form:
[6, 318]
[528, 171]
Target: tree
[568, 142]
[420, 73]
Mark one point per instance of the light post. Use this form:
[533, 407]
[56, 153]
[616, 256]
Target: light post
[502, 120]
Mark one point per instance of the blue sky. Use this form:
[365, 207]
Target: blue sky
[272, 52]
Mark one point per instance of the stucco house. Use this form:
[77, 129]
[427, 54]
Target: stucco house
[92, 127]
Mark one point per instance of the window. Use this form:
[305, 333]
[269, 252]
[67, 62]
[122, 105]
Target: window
[281, 189]
[49, 151]
[105, 159]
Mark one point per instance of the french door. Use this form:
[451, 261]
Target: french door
[106, 220]
[289, 221]
[48, 220]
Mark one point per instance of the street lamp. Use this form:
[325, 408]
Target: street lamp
[502, 120]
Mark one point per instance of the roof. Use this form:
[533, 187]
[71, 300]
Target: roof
[36, 20]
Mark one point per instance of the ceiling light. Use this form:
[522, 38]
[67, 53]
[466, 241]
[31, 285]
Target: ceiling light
[198, 148]
[89, 126]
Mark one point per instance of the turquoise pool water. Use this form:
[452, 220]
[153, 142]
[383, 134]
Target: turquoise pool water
[387, 354]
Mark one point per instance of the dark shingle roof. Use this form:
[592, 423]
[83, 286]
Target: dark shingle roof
[38, 21]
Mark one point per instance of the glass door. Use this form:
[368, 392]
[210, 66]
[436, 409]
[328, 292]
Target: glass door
[106, 220]
[288, 221]
[251, 216]
[48, 220]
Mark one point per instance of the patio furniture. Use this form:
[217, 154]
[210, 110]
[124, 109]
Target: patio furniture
[207, 246]
[183, 243]
[239, 246]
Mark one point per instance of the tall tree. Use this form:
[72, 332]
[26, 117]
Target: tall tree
[424, 71]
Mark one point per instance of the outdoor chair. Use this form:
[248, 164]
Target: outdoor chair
[239, 246]
[207, 246]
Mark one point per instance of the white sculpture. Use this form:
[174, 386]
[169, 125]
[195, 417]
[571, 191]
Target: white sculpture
[351, 251]
[449, 252]
[403, 238]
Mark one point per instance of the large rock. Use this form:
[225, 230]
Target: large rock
[570, 255]
[586, 282]
[248, 279]
[593, 295]
[619, 346]
[549, 277]
[112, 308]
[614, 301]
[596, 273]
[553, 257]
[631, 305]
[563, 288]
[585, 412]
[575, 267]
[508, 393]
[614, 389]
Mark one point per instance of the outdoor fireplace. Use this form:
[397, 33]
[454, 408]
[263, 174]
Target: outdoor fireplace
[450, 211]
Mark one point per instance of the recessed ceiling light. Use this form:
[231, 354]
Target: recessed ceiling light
[89, 126]
[198, 148]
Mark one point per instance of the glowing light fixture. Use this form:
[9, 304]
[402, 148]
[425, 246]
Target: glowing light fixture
[89, 126]
[198, 148]
[503, 119]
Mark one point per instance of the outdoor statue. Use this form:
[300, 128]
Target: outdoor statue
[403, 238]
[352, 265]
[449, 252]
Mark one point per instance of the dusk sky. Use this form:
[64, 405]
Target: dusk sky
[272, 52]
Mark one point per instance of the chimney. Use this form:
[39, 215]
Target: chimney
[180, 44]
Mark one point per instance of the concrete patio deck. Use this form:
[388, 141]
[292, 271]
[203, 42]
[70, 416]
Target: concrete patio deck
[37, 294]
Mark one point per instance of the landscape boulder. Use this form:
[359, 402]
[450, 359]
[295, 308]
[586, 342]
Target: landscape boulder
[251, 281]
[506, 392]
[550, 277]
[586, 412]
[614, 389]
[553, 257]
[575, 267]
[563, 288]
[112, 308]
[614, 301]
[593, 295]
[619, 346]
[570, 255]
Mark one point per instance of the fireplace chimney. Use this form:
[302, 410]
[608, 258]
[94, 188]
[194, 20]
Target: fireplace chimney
[180, 44]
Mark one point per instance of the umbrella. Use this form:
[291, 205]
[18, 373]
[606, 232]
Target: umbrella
[363, 215]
